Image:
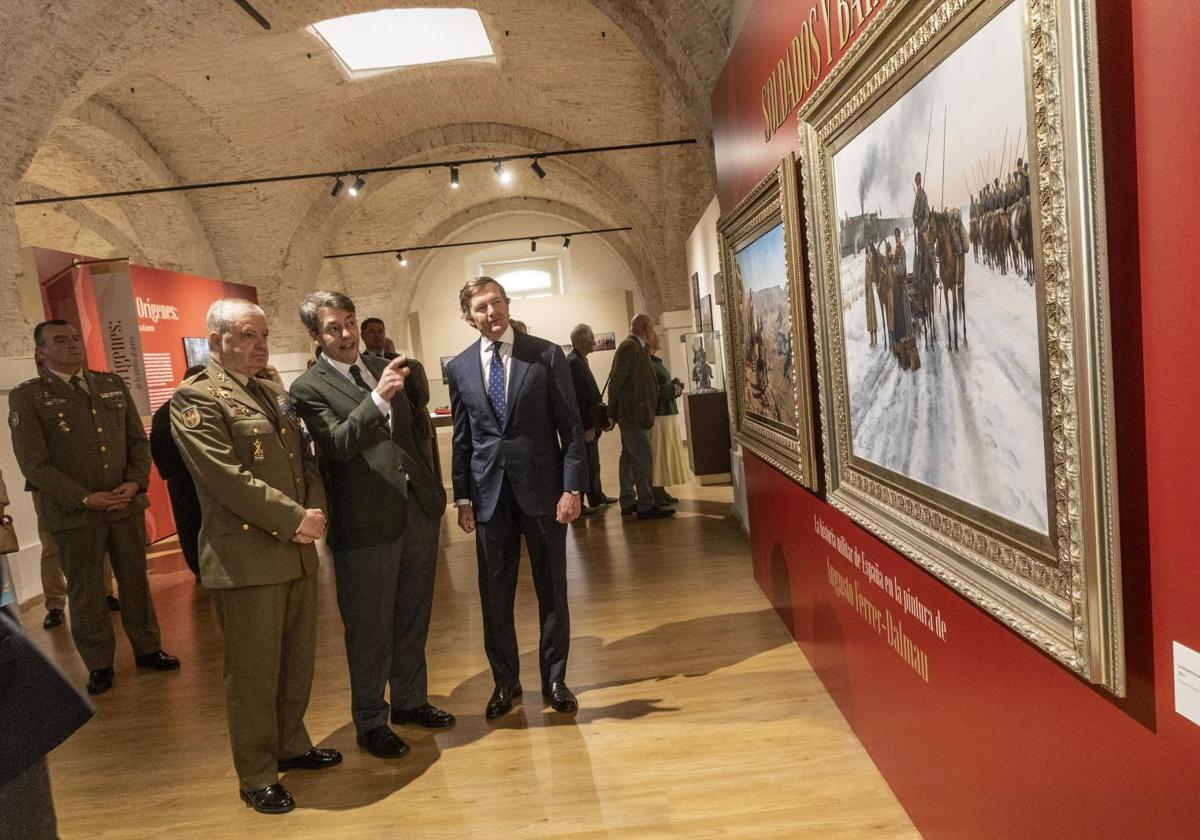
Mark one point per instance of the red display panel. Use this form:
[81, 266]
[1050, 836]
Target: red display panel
[977, 732]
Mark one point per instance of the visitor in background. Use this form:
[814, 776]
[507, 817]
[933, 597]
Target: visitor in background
[666, 447]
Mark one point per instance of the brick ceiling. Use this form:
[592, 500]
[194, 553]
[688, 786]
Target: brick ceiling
[109, 94]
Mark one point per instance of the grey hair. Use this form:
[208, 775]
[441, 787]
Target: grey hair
[322, 298]
[639, 323]
[224, 313]
[579, 332]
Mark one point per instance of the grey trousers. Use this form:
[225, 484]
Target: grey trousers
[636, 470]
[82, 552]
[385, 595]
[270, 639]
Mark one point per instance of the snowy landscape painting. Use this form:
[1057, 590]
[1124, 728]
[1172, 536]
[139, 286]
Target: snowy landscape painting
[761, 278]
[938, 284]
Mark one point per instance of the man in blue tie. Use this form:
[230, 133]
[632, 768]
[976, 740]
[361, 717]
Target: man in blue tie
[518, 467]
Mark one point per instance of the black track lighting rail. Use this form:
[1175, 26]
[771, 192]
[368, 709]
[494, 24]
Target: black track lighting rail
[401, 249]
[357, 173]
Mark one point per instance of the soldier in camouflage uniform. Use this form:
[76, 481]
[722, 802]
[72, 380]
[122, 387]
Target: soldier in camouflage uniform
[79, 440]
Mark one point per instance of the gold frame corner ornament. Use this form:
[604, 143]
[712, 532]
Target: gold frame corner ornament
[1064, 597]
[789, 448]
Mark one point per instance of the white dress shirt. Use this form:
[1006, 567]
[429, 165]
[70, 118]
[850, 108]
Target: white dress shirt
[344, 369]
[485, 357]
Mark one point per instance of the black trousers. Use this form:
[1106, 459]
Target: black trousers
[595, 492]
[498, 550]
[185, 505]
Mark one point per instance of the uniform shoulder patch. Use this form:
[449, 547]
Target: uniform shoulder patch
[191, 417]
[14, 419]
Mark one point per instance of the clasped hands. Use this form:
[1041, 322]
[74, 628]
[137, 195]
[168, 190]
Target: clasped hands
[312, 527]
[112, 500]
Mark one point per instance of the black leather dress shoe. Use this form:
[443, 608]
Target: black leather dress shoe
[159, 661]
[656, 513]
[628, 511]
[605, 500]
[314, 759]
[382, 742]
[53, 619]
[273, 799]
[425, 715]
[588, 511]
[113, 603]
[100, 680]
[560, 698]
[502, 701]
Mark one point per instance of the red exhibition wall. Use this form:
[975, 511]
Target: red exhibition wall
[998, 740]
[133, 320]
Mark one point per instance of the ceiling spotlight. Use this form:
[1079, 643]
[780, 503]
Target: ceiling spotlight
[337, 187]
[357, 186]
[453, 177]
[532, 244]
[537, 169]
[503, 174]
[400, 258]
[566, 242]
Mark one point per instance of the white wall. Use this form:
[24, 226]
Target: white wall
[703, 257]
[598, 289]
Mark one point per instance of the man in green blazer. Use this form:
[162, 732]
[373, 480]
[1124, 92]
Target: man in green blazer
[632, 397]
[262, 505]
[385, 510]
[79, 440]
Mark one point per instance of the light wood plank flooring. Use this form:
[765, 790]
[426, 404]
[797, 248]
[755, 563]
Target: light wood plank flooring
[699, 715]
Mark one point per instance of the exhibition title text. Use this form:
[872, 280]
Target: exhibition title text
[803, 65]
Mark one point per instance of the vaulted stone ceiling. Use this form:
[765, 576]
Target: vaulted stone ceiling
[108, 94]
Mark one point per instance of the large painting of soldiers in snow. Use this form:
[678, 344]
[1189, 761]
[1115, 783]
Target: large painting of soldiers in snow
[767, 332]
[952, 387]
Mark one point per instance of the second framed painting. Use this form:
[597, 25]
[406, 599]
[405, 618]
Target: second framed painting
[955, 215]
[767, 327]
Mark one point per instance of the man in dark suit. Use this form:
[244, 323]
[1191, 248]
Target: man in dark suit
[632, 398]
[385, 509]
[588, 396]
[185, 504]
[416, 383]
[518, 467]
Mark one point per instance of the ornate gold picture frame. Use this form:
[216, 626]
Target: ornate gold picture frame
[954, 204]
[767, 331]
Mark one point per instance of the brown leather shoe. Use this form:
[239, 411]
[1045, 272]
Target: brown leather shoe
[273, 799]
[54, 618]
[314, 759]
[501, 702]
[429, 716]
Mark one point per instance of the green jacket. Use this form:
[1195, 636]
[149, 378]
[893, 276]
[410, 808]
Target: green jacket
[254, 476]
[69, 445]
[666, 389]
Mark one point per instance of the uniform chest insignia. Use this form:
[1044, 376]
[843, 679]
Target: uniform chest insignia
[191, 417]
[62, 425]
[53, 401]
[226, 396]
[259, 455]
[105, 395]
[14, 419]
[287, 406]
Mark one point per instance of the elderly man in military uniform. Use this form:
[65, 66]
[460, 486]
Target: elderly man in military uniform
[263, 507]
[79, 440]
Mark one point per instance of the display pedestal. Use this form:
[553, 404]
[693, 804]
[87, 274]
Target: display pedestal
[707, 418]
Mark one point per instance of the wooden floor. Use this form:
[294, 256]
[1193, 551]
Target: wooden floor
[699, 715]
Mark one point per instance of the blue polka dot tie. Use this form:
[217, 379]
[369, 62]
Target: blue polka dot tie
[496, 383]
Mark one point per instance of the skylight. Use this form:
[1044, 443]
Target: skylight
[376, 42]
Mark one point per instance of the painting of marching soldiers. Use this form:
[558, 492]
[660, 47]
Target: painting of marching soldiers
[938, 282]
[760, 278]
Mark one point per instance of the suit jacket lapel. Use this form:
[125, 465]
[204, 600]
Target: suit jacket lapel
[474, 381]
[62, 389]
[339, 382]
[516, 376]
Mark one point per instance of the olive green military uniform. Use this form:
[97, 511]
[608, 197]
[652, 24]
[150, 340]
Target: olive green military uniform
[71, 442]
[255, 480]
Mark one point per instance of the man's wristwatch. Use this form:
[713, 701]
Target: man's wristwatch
[573, 492]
